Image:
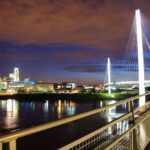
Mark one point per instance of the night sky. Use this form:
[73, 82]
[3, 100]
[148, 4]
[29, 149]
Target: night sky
[64, 40]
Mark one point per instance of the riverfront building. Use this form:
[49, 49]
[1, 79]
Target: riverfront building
[15, 75]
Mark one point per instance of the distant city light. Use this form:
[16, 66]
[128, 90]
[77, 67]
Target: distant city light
[15, 75]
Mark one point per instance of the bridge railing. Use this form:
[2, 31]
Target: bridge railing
[132, 138]
[123, 133]
[99, 139]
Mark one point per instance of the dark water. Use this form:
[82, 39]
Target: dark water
[16, 115]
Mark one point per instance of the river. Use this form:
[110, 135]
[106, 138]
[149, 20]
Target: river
[16, 115]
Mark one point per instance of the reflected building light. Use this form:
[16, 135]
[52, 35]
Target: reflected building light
[120, 127]
[113, 109]
[113, 115]
[71, 108]
[15, 109]
[3, 104]
[56, 104]
[124, 105]
[9, 105]
[11, 113]
[110, 130]
[109, 118]
[15, 106]
[72, 104]
[65, 103]
[27, 104]
[32, 105]
[62, 107]
[46, 104]
[112, 102]
[126, 125]
[59, 103]
[71, 111]
[101, 104]
[59, 109]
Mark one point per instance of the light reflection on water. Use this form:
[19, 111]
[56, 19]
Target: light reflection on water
[10, 109]
[22, 114]
[16, 114]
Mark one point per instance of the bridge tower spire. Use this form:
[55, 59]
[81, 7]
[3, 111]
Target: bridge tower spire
[140, 56]
[109, 75]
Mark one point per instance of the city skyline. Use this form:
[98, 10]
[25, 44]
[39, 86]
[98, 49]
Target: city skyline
[65, 40]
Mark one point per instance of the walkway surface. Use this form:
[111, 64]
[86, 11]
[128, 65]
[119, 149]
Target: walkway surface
[145, 132]
[148, 147]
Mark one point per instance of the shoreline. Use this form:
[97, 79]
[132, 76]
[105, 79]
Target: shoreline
[62, 96]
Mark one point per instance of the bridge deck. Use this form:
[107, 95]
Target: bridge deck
[145, 132]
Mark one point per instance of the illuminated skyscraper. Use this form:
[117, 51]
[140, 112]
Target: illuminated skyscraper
[11, 76]
[16, 74]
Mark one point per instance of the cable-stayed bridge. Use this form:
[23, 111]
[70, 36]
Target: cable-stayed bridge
[134, 66]
[130, 131]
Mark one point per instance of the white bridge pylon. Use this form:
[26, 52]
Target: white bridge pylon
[140, 56]
[109, 75]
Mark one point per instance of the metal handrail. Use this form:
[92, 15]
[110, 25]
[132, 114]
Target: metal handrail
[84, 138]
[14, 136]
[95, 132]
[130, 130]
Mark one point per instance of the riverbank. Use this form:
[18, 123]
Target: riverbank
[62, 96]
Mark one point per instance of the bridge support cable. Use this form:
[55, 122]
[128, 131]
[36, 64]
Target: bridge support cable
[106, 75]
[129, 63]
[146, 44]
